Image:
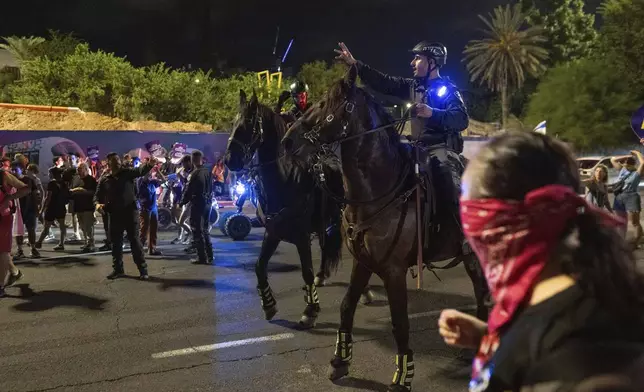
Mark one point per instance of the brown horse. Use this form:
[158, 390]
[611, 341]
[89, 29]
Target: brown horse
[379, 222]
[289, 205]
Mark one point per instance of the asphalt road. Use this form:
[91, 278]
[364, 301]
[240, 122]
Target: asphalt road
[201, 328]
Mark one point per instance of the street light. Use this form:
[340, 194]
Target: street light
[408, 105]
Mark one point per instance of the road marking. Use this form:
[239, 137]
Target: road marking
[430, 313]
[218, 346]
[126, 250]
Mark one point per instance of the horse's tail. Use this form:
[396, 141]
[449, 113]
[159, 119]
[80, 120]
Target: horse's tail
[332, 248]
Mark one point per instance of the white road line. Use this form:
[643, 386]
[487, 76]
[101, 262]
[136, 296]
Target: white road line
[218, 346]
[430, 313]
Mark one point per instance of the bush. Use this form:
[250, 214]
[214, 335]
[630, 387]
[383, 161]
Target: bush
[585, 102]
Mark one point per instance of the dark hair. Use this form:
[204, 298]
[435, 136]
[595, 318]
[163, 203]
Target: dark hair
[112, 154]
[196, 154]
[186, 159]
[513, 164]
[32, 167]
[630, 161]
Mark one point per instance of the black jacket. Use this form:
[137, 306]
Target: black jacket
[449, 117]
[198, 191]
[118, 191]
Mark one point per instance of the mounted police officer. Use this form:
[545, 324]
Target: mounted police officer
[438, 112]
[299, 92]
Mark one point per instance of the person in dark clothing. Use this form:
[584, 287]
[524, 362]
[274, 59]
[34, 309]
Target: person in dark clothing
[83, 191]
[118, 192]
[55, 207]
[569, 298]
[438, 115]
[105, 216]
[299, 92]
[29, 209]
[198, 193]
[148, 213]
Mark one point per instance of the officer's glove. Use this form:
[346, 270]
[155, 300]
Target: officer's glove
[284, 97]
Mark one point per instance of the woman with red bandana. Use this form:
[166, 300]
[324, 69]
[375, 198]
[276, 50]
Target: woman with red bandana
[569, 301]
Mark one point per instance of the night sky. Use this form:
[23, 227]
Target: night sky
[241, 33]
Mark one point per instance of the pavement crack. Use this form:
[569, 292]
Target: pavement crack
[117, 379]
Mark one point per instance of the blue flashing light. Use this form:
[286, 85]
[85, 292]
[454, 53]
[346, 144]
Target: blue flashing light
[240, 189]
[442, 90]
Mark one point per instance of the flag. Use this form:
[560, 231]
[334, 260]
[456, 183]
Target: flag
[541, 128]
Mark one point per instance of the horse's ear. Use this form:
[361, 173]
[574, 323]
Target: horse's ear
[254, 100]
[351, 76]
[242, 98]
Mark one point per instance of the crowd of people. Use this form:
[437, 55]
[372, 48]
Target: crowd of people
[627, 200]
[124, 193]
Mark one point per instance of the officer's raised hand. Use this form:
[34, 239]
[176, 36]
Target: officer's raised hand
[422, 110]
[345, 55]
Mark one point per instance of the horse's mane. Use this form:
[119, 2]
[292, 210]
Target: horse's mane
[336, 95]
[278, 122]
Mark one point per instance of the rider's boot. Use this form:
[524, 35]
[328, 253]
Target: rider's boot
[342, 357]
[404, 373]
[269, 304]
[312, 309]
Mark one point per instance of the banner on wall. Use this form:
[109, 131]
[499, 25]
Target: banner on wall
[177, 152]
[92, 153]
[41, 147]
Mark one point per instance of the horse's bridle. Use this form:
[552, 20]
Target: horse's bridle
[325, 150]
[256, 139]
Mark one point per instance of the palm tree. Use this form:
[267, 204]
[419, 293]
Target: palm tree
[509, 51]
[22, 48]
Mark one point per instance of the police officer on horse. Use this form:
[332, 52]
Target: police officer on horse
[299, 92]
[438, 112]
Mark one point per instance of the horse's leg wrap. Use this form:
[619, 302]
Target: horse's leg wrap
[269, 304]
[342, 356]
[312, 307]
[404, 373]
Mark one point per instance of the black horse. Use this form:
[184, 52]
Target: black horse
[289, 206]
[379, 222]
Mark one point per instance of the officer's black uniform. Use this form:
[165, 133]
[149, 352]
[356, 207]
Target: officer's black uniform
[198, 192]
[117, 191]
[449, 116]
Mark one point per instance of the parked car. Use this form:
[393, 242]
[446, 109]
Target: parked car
[587, 166]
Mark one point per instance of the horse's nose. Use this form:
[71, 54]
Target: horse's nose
[288, 145]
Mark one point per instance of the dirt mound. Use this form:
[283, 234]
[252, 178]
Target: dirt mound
[32, 120]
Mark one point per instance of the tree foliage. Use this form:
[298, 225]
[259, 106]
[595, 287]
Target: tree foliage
[585, 102]
[320, 76]
[507, 54]
[622, 39]
[101, 82]
[22, 48]
[569, 30]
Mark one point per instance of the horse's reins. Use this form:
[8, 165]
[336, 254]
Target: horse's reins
[313, 137]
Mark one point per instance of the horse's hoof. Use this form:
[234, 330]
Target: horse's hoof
[366, 298]
[398, 388]
[336, 373]
[270, 313]
[307, 322]
[319, 282]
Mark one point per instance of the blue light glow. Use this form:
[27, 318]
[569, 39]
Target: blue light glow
[442, 90]
[240, 189]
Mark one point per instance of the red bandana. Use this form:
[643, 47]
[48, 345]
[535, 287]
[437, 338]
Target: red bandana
[513, 241]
